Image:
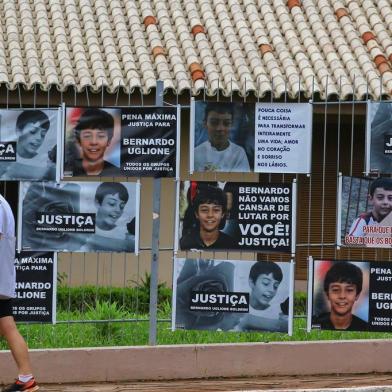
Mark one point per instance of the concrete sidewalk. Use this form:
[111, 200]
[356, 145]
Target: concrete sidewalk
[317, 383]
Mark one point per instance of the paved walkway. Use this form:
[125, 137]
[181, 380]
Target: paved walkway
[361, 383]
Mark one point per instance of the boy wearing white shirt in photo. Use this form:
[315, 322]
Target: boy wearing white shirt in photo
[264, 281]
[218, 153]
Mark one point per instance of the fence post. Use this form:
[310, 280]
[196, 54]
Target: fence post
[156, 201]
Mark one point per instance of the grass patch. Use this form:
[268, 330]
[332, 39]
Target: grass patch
[135, 333]
[98, 317]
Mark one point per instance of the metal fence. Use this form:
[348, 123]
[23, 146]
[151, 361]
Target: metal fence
[104, 299]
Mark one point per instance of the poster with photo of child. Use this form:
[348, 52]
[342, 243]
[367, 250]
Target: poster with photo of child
[236, 216]
[350, 295]
[79, 216]
[129, 142]
[29, 144]
[379, 138]
[233, 295]
[364, 212]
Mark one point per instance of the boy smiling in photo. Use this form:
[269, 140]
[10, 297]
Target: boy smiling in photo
[342, 287]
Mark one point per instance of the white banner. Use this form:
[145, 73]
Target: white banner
[283, 137]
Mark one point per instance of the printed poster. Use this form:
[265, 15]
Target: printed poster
[283, 141]
[28, 144]
[36, 274]
[130, 142]
[79, 216]
[233, 295]
[248, 137]
[379, 138]
[351, 295]
[364, 212]
[236, 216]
[222, 137]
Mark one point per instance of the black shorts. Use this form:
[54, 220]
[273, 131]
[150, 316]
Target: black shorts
[5, 307]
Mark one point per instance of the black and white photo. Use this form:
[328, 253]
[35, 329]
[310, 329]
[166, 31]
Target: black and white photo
[79, 216]
[28, 144]
[379, 138]
[232, 295]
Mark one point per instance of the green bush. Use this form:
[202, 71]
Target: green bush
[103, 311]
[132, 299]
[300, 299]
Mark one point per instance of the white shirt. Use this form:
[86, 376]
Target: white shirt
[356, 229]
[7, 250]
[272, 312]
[38, 160]
[231, 159]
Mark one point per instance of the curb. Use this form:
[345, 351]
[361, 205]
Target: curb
[381, 388]
[182, 362]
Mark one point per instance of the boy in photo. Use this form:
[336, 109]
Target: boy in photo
[31, 162]
[94, 132]
[264, 281]
[380, 197]
[110, 201]
[342, 287]
[219, 153]
[209, 206]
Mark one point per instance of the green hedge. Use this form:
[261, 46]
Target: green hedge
[300, 303]
[132, 299]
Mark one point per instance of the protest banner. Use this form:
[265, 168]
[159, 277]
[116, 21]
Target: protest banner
[79, 216]
[222, 137]
[350, 295]
[379, 138]
[36, 274]
[28, 144]
[364, 212]
[283, 142]
[233, 295]
[248, 137]
[236, 216]
[130, 142]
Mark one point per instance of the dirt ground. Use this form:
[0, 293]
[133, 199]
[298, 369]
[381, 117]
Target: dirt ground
[231, 385]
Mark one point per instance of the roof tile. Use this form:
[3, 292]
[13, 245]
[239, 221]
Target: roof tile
[241, 45]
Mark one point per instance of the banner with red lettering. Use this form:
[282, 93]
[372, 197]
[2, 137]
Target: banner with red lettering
[364, 212]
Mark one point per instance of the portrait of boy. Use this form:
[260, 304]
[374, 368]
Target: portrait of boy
[35, 137]
[209, 208]
[380, 199]
[342, 287]
[264, 281]
[219, 152]
[90, 141]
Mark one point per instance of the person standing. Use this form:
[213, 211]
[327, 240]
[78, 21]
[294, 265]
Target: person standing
[8, 328]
